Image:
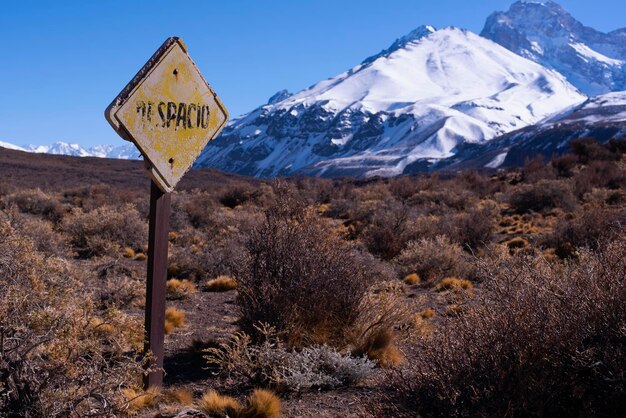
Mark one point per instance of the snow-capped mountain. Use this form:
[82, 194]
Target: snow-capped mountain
[413, 103]
[11, 146]
[593, 61]
[60, 148]
[123, 152]
[602, 118]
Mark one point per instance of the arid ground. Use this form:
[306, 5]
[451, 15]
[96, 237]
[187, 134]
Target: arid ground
[500, 293]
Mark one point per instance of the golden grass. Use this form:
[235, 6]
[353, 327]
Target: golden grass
[180, 289]
[212, 403]
[179, 396]
[221, 284]
[136, 401]
[427, 313]
[516, 243]
[262, 403]
[141, 257]
[452, 283]
[412, 279]
[380, 346]
[174, 318]
[454, 309]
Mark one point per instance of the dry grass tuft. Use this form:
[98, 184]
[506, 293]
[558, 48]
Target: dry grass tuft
[380, 346]
[212, 403]
[128, 252]
[174, 318]
[180, 289]
[412, 279]
[137, 401]
[262, 403]
[179, 396]
[452, 283]
[221, 284]
[427, 313]
[141, 257]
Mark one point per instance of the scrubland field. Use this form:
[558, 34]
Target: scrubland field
[467, 294]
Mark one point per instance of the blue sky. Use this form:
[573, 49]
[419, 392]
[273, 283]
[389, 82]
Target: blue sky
[63, 62]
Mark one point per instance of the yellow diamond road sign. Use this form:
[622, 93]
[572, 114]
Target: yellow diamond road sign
[170, 112]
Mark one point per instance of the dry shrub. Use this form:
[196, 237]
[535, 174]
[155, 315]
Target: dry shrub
[544, 339]
[589, 149]
[180, 289]
[433, 259]
[565, 165]
[221, 284]
[606, 174]
[119, 285]
[42, 233]
[92, 197]
[39, 203]
[300, 277]
[105, 230]
[387, 232]
[269, 362]
[56, 359]
[214, 404]
[473, 229]
[542, 196]
[236, 196]
[592, 228]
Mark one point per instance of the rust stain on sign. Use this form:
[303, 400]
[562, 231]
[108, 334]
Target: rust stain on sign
[170, 112]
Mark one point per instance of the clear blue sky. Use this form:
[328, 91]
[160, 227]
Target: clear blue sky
[64, 61]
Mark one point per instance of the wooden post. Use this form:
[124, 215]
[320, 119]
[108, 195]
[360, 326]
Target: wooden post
[156, 286]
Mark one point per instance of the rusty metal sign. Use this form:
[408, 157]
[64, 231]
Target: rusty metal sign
[169, 112]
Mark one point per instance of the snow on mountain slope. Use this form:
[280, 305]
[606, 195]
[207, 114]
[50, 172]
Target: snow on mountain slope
[418, 100]
[544, 32]
[122, 152]
[602, 118]
[10, 146]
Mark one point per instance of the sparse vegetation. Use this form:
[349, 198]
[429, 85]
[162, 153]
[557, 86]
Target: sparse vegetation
[469, 294]
[221, 284]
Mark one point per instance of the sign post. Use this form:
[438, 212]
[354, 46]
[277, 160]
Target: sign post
[170, 113]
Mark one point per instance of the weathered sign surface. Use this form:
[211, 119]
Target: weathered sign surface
[170, 112]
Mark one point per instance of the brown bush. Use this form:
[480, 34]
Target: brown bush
[544, 340]
[473, 229]
[593, 228]
[59, 356]
[588, 149]
[599, 174]
[236, 196]
[105, 230]
[388, 233]
[541, 196]
[300, 277]
[433, 259]
[39, 203]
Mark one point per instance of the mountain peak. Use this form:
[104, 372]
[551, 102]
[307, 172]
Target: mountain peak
[414, 35]
[546, 33]
[415, 102]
